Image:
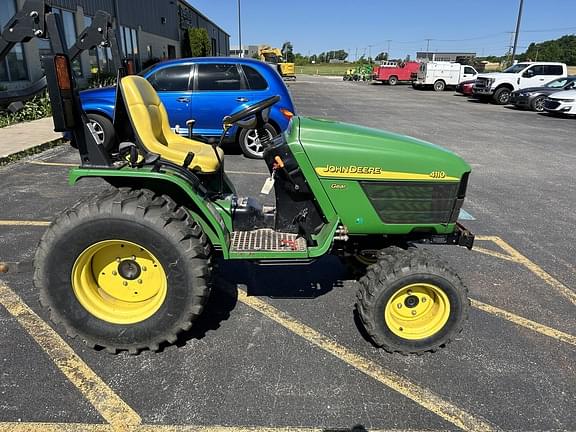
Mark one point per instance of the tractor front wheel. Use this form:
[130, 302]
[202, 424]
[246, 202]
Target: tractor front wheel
[410, 302]
[126, 270]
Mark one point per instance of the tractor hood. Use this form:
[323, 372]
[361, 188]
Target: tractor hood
[341, 150]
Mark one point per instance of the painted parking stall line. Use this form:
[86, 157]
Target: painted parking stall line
[108, 404]
[420, 395]
[515, 256]
[86, 427]
[33, 223]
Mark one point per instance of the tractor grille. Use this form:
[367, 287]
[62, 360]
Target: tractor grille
[264, 240]
[415, 202]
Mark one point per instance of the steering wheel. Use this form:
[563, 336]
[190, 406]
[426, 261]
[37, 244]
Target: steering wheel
[251, 110]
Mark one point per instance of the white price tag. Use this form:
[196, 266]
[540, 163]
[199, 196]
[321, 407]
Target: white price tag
[268, 185]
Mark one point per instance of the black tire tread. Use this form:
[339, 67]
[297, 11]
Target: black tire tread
[394, 263]
[157, 209]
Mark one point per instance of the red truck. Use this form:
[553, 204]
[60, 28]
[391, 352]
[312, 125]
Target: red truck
[392, 73]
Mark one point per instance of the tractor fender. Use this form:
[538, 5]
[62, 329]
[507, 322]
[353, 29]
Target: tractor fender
[202, 211]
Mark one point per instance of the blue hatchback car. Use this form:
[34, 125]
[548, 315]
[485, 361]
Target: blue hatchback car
[206, 90]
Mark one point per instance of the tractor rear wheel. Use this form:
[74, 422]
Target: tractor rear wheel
[411, 302]
[126, 270]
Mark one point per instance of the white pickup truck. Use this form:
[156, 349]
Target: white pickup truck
[499, 85]
[440, 75]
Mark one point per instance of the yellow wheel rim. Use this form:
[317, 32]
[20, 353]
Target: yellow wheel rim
[417, 311]
[119, 282]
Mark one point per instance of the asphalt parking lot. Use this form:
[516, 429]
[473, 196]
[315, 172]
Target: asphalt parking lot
[290, 354]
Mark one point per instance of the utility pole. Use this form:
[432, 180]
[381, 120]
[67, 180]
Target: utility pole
[388, 49]
[517, 30]
[428, 49]
[370, 53]
[240, 30]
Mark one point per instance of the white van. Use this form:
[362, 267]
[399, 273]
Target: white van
[443, 74]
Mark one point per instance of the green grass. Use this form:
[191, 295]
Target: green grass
[337, 69]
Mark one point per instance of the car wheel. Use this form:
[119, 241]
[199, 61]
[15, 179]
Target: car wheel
[250, 143]
[393, 80]
[502, 96]
[538, 103]
[104, 130]
[439, 86]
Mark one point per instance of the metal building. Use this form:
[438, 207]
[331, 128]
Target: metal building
[441, 56]
[148, 30]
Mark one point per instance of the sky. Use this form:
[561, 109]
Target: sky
[366, 26]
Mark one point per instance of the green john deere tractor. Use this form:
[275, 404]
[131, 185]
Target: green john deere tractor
[129, 269]
[362, 72]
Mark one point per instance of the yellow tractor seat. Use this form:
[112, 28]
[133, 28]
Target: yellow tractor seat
[150, 122]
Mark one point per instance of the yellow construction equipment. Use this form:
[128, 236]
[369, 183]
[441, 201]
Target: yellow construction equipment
[273, 56]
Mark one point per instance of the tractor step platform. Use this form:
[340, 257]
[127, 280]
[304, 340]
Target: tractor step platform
[266, 240]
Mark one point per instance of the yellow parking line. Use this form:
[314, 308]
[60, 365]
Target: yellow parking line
[113, 409]
[55, 427]
[87, 427]
[422, 396]
[517, 257]
[493, 253]
[24, 223]
[524, 322]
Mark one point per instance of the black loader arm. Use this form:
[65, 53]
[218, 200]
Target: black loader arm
[29, 22]
[36, 19]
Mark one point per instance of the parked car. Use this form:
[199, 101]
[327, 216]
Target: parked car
[439, 75]
[500, 85]
[533, 97]
[465, 87]
[205, 90]
[393, 73]
[563, 102]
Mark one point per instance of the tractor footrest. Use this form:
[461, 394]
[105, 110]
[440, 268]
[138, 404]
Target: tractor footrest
[266, 240]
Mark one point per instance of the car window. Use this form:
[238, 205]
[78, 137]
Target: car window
[175, 78]
[537, 70]
[519, 67]
[255, 80]
[223, 77]
[557, 83]
[469, 70]
[553, 70]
